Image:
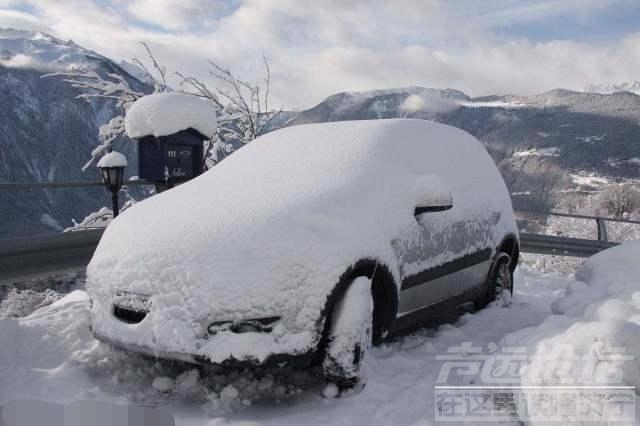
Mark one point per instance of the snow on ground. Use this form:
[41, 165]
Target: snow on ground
[539, 152]
[591, 139]
[616, 162]
[590, 180]
[51, 355]
[595, 332]
[493, 104]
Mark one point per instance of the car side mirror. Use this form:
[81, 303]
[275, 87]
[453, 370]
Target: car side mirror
[433, 196]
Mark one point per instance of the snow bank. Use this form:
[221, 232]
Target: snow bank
[37, 349]
[539, 152]
[163, 114]
[112, 159]
[270, 230]
[594, 337]
[51, 356]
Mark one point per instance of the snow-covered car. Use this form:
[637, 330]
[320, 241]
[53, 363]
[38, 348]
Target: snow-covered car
[308, 245]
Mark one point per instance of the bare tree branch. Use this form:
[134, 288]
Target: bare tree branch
[267, 82]
[160, 86]
[112, 86]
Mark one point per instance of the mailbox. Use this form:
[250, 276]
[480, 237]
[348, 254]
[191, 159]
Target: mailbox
[171, 159]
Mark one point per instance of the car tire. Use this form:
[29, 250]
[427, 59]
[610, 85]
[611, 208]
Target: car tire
[350, 337]
[499, 287]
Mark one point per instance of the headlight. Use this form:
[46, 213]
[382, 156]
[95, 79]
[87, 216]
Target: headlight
[254, 325]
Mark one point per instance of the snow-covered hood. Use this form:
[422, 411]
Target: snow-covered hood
[269, 231]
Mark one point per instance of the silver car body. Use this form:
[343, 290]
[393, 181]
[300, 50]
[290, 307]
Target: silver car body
[274, 232]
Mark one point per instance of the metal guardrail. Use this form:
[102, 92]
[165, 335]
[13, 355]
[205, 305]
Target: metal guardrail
[600, 221]
[561, 246]
[68, 184]
[33, 257]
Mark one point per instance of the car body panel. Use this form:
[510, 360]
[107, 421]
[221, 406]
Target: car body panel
[271, 230]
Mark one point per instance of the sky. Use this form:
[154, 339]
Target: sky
[316, 48]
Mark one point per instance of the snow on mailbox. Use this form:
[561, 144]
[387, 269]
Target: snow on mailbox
[171, 129]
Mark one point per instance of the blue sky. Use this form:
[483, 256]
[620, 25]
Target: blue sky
[317, 48]
[607, 26]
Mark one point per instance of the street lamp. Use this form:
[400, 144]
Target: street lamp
[112, 166]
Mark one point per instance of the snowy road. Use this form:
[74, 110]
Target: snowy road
[51, 355]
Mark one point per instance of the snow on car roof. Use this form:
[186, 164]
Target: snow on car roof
[163, 114]
[329, 179]
[356, 162]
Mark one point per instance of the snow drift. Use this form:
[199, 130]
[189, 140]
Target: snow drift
[594, 337]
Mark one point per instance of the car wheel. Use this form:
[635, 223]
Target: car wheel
[350, 337]
[499, 287]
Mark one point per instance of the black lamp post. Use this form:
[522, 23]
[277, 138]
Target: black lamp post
[112, 166]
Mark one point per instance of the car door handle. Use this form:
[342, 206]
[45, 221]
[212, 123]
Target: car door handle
[431, 209]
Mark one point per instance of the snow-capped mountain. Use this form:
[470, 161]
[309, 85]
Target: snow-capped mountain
[46, 134]
[37, 50]
[632, 87]
[415, 102]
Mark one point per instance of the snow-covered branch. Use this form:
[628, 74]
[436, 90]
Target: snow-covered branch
[160, 82]
[116, 87]
[112, 86]
[244, 107]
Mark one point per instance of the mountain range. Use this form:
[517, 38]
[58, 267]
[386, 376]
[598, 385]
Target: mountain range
[633, 87]
[546, 146]
[46, 134]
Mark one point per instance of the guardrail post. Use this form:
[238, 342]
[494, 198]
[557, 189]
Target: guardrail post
[602, 230]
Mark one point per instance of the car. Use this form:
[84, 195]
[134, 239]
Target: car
[308, 245]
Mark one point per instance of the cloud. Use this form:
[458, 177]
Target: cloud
[182, 15]
[505, 117]
[320, 48]
[24, 61]
[427, 102]
[20, 20]
[413, 103]
[499, 13]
